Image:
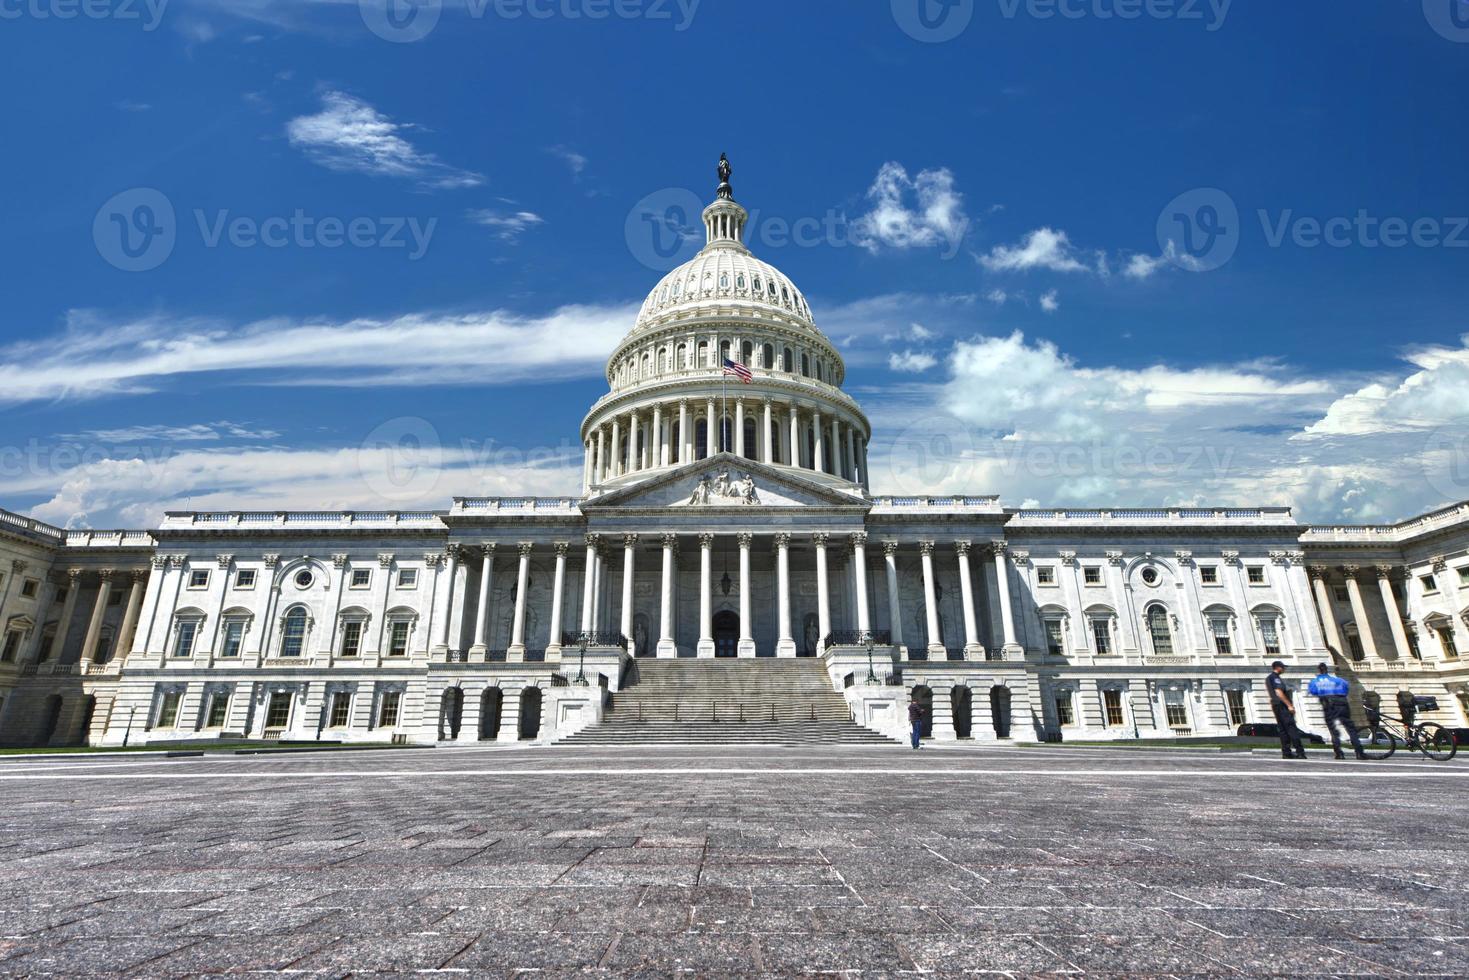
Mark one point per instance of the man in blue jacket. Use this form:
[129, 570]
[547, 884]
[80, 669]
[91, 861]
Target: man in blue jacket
[1332, 691]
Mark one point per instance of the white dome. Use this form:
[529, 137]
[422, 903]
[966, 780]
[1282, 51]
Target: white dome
[731, 276]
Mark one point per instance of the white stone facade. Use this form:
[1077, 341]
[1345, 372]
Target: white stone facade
[718, 518]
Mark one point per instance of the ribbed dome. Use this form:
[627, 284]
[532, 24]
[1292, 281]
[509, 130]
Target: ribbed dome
[724, 272]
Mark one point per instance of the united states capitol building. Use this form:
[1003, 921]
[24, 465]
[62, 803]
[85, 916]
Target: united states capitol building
[727, 572]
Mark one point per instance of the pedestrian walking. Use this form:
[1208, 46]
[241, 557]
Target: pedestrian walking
[915, 720]
[1332, 691]
[1284, 707]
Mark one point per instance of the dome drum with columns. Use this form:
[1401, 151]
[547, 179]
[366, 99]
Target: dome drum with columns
[671, 402]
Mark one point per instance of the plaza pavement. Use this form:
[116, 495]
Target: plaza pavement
[503, 861]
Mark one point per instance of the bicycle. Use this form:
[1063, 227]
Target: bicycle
[1384, 733]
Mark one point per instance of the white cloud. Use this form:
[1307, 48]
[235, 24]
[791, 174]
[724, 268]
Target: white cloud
[1051, 301]
[95, 356]
[351, 136]
[1044, 248]
[934, 217]
[574, 161]
[1144, 266]
[910, 361]
[197, 432]
[997, 296]
[915, 331]
[129, 105]
[1434, 396]
[507, 226]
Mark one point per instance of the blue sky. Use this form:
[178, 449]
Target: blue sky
[1072, 259]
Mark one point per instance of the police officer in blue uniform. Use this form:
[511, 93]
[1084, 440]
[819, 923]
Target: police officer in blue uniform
[1284, 708]
[1332, 691]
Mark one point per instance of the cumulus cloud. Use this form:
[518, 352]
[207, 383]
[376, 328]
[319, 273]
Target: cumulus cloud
[507, 226]
[1050, 301]
[912, 212]
[911, 361]
[1044, 248]
[351, 136]
[1432, 397]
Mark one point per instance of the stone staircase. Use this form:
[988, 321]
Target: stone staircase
[720, 702]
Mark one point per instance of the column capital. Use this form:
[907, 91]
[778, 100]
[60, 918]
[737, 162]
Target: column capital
[746, 539]
[454, 551]
[1068, 558]
[782, 539]
[1114, 558]
[561, 548]
[1230, 557]
[433, 559]
[17, 566]
[177, 561]
[859, 539]
[74, 573]
[629, 540]
[961, 548]
[669, 540]
[1317, 572]
[594, 540]
[1383, 571]
[890, 548]
[1439, 563]
[683, 403]
[999, 547]
[338, 560]
[820, 538]
[271, 560]
[1351, 571]
[524, 548]
[385, 559]
[925, 547]
[706, 539]
[487, 549]
[1186, 558]
[105, 574]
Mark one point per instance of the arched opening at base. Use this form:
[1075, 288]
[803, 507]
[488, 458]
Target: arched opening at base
[530, 712]
[490, 704]
[726, 634]
[923, 697]
[961, 702]
[451, 713]
[89, 711]
[50, 720]
[1000, 710]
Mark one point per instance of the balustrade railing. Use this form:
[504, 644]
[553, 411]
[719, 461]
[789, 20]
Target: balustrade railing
[858, 638]
[594, 639]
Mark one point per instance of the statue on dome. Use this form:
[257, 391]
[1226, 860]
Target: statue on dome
[726, 193]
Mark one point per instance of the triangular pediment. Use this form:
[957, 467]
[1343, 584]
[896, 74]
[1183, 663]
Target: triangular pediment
[726, 482]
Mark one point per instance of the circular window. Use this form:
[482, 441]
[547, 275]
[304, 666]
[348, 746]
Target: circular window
[303, 579]
[1150, 576]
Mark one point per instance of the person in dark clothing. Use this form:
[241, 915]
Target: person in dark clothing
[1284, 708]
[915, 720]
[1333, 694]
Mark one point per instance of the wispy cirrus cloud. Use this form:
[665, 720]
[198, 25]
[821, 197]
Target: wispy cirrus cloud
[351, 136]
[507, 226]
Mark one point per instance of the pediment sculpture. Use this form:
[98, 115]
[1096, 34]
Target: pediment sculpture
[722, 491]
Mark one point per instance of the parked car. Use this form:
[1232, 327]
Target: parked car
[1263, 730]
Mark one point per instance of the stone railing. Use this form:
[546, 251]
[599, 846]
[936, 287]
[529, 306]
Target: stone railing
[516, 505]
[937, 503]
[1157, 515]
[1387, 533]
[254, 520]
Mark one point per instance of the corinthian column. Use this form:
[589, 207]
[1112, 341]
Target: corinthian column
[124, 644]
[972, 645]
[517, 626]
[823, 601]
[634, 444]
[1325, 609]
[1359, 612]
[1394, 615]
[739, 424]
[1002, 585]
[667, 646]
[818, 453]
[747, 637]
[930, 602]
[785, 646]
[895, 611]
[99, 610]
[768, 456]
[706, 615]
[558, 584]
[711, 436]
[795, 436]
[629, 550]
[482, 610]
[589, 583]
[859, 567]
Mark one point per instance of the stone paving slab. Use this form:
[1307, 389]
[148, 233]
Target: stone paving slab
[733, 862]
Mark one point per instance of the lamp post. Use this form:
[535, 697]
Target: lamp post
[581, 666]
[867, 639]
[128, 733]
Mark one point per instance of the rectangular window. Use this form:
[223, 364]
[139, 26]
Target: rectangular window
[233, 639]
[387, 716]
[199, 578]
[1208, 574]
[188, 632]
[1064, 714]
[1102, 635]
[219, 710]
[1270, 634]
[12, 647]
[398, 639]
[341, 709]
[1446, 640]
[1219, 626]
[1256, 574]
[114, 598]
[351, 638]
[1354, 643]
[168, 710]
[279, 713]
[1091, 575]
[1112, 708]
[1055, 641]
[1413, 649]
[1175, 709]
[1464, 576]
[407, 578]
[1045, 574]
[361, 578]
[1234, 702]
[29, 588]
[245, 578]
[1430, 584]
[1341, 594]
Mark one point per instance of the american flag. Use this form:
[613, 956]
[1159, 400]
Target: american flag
[738, 370]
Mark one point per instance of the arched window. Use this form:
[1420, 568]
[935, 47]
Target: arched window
[293, 633]
[675, 444]
[723, 352]
[740, 282]
[750, 438]
[789, 361]
[767, 356]
[757, 284]
[724, 280]
[703, 354]
[682, 360]
[747, 353]
[784, 294]
[1159, 631]
[676, 287]
[701, 440]
[819, 373]
[805, 365]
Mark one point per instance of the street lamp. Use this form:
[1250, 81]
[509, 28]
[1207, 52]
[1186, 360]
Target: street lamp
[581, 667]
[867, 638]
[129, 732]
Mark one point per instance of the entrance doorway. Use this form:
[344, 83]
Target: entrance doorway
[726, 634]
[961, 703]
[923, 696]
[1000, 710]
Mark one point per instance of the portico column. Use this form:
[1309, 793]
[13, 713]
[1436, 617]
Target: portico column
[818, 453]
[768, 456]
[660, 445]
[836, 447]
[786, 645]
[1394, 615]
[442, 626]
[1012, 647]
[930, 603]
[68, 609]
[634, 444]
[99, 610]
[1325, 609]
[667, 646]
[1359, 612]
[588, 586]
[895, 612]
[851, 455]
[859, 572]
[706, 615]
[747, 637]
[629, 550]
[517, 627]
[711, 439]
[739, 432]
[601, 468]
[553, 642]
[614, 465]
[972, 646]
[129, 628]
[482, 610]
[685, 437]
[795, 436]
[823, 601]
